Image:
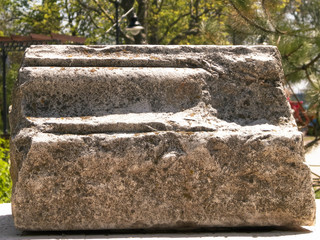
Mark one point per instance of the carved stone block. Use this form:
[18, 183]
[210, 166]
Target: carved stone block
[155, 137]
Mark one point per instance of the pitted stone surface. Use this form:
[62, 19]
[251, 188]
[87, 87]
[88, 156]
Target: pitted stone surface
[155, 137]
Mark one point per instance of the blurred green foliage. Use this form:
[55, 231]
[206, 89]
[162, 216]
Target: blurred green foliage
[5, 180]
[318, 195]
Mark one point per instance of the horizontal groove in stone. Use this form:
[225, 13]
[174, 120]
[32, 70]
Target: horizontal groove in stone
[82, 129]
[111, 62]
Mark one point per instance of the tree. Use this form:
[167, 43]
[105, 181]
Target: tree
[43, 18]
[6, 16]
[165, 21]
[185, 22]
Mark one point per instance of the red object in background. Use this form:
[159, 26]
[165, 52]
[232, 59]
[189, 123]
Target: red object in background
[299, 112]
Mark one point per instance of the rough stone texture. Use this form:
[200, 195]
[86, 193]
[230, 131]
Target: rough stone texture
[127, 137]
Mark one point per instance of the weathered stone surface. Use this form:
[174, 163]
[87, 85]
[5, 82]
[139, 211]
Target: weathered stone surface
[126, 137]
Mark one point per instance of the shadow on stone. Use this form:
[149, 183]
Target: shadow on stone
[271, 231]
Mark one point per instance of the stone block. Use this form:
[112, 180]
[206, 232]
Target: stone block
[155, 137]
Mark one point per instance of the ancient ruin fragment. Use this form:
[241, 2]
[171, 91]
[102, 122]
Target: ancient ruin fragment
[155, 137]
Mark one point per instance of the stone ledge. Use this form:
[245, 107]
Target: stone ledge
[9, 232]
